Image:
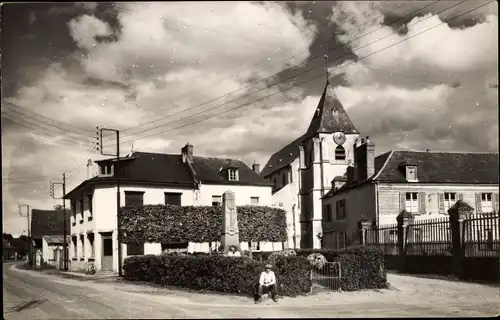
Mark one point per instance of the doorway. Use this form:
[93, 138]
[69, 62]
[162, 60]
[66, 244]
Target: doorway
[107, 252]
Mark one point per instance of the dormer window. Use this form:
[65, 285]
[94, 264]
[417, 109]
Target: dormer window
[232, 174]
[106, 169]
[411, 173]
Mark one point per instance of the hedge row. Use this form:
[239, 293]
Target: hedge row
[361, 268]
[218, 273]
[177, 224]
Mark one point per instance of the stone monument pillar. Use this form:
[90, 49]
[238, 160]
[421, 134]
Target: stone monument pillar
[230, 240]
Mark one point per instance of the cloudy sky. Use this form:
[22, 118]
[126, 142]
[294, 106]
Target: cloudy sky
[236, 79]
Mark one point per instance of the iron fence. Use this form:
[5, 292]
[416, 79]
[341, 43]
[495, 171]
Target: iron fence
[481, 235]
[385, 238]
[326, 278]
[429, 237]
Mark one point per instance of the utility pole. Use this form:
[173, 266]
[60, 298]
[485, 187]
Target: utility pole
[27, 214]
[65, 247]
[117, 177]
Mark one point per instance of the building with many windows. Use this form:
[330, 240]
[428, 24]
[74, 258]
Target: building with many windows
[426, 184]
[155, 178]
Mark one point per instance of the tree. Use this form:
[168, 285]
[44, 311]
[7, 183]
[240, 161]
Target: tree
[21, 244]
[58, 207]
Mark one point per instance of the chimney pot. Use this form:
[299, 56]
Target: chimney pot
[256, 167]
[187, 152]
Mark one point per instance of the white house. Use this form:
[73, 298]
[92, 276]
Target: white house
[155, 178]
[302, 171]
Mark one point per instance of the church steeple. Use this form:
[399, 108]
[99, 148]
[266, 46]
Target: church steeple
[330, 116]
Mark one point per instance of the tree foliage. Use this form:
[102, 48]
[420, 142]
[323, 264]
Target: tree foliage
[176, 224]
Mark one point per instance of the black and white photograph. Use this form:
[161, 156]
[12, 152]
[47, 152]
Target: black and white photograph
[250, 159]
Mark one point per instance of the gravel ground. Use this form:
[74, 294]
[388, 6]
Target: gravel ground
[42, 295]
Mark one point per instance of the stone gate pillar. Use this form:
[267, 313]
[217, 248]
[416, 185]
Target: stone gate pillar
[457, 214]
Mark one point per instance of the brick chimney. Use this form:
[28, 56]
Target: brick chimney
[187, 152]
[256, 167]
[365, 160]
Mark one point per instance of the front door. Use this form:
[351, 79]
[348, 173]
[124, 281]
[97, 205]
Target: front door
[107, 253]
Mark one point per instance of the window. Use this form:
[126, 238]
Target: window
[254, 201]
[73, 210]
[411, 203]
[75, 247]
[311, 155]
[106, 169]
[285, 179]
[89, 198]
[174, 247]
[339, 153]
[173, 198]
[449, 200]
[290, 173]
[90, 236]
[328, 213]
[216, 201]
[81, 209]
[411, 173]
[341, 209]
[254, 245]
[486, 202]
[82, 241]
[134, 198]
[135, 249]
[232, 174]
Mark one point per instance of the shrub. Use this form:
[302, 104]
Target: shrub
[218, 273]
[285, 253]
[317, 260]
[176, 224]
[361, 268]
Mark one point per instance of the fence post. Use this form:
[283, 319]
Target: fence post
[457, 214]
[364, 225]
[404, 219]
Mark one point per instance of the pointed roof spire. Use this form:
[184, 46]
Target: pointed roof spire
[330, 116]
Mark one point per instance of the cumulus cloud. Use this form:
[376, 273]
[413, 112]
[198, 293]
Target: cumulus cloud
[166, 75]
[429, 90]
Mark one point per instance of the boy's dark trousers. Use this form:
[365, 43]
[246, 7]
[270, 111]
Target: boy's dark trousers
[266, 289]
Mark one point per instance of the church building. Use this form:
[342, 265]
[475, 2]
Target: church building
[302, 171]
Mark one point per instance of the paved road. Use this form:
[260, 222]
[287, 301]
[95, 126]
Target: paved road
[35, 295]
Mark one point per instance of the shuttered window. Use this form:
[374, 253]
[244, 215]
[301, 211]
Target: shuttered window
[172, 198]
[134, 198]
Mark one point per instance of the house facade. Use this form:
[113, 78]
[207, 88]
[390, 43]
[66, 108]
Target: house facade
[154, 178]
[47, 233]
[426, 184]
[302, 171]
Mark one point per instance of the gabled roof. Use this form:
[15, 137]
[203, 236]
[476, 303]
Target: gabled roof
[169, 169]
[48, 222]
[433, 167]
[282, 158]
[213, 170]
[443, 167]
[330, 116]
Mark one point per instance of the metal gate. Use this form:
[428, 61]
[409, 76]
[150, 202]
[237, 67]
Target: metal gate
[327, 278]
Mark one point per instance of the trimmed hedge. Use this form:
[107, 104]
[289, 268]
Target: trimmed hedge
[361, 268]
[218, 273]
[176, 224]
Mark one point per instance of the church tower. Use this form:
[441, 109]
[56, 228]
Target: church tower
[325, 152]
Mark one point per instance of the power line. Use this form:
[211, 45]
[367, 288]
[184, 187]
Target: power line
[387, 47]
[289, 78]
[48, 124]
[275, 74]
[50, 119]
[47, 135]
